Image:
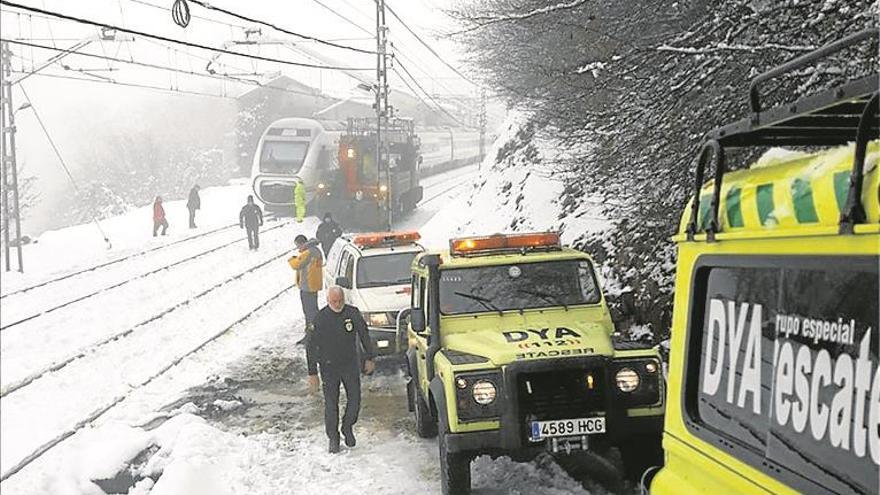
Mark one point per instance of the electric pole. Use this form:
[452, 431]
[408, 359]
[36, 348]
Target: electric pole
[383, 111]
[7, 155]
[482, 122]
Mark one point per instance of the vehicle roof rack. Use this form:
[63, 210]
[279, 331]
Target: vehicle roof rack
[837, 116]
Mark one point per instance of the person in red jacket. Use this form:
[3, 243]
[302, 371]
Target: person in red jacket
[159, 217]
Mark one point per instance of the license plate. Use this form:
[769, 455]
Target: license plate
[566, 427]
[382, 344]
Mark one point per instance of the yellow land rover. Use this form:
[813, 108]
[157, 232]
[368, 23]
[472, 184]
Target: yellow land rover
[511, 353]
[774, 383]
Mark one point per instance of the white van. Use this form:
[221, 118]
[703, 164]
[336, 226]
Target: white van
[375, 270]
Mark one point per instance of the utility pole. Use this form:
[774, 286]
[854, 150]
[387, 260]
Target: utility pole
[7, 155]
[383, 111]
[482, 123]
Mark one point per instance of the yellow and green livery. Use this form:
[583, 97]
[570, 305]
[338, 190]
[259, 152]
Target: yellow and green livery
[774, 372]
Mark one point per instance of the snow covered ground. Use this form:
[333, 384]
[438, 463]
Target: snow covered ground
[187, 380]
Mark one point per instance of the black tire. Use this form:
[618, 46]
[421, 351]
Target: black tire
[426, 427]
[455, 469]
[640, 453]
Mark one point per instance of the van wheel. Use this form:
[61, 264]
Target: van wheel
[455, 470]
[425, 425]
[640, 453]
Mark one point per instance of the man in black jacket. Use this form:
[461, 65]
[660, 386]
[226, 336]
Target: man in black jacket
[251, 218]
[192, 204]
[334, 341]
[328, 232]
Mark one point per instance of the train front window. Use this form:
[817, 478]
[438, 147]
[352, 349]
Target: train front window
[283, 157]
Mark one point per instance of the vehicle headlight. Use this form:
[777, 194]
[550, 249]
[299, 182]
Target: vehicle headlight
[377, 319]
[484, 392]
[627, 379]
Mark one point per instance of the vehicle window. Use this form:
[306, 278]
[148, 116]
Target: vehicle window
[343, 261]
[519, 286]
[383, 270]
[283, 157]
[787, 367]
[349, 268]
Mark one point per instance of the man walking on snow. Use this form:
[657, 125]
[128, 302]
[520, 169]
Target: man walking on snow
[328, 232]
[193, 203]
[310, 279]
[251, 219]
[334, 344]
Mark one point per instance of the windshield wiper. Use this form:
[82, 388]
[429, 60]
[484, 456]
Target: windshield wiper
[551, 298]
[486, 303]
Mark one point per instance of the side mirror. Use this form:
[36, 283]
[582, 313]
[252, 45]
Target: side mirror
[417, 320]
[343, 282]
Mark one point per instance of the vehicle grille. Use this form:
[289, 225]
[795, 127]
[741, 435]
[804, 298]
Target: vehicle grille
[276, 193]
[561, 394]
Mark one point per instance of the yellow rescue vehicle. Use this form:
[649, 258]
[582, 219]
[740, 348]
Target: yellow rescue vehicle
[774, 376]
[511, 353]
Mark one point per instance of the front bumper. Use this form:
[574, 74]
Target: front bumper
[384, 340]
[511, 437]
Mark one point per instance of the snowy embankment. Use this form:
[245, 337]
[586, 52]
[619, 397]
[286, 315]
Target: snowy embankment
[210, 396]
[517, 193]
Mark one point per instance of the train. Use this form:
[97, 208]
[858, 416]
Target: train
[336, 162]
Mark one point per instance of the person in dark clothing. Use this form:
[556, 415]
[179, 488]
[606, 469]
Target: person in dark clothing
[328, 232]
[192, 204]
[159, 217]
[334, 342]
[251, 219]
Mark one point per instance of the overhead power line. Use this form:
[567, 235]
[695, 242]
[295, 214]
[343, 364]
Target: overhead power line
[426, 45]
[61, 160]
[436, 103]
[280, 29]
[396, 46]
[113, 82]
[176, 41]
[216, 76]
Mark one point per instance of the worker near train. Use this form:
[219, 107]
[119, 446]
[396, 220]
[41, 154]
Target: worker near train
[251, 219]
[193, 203]
[327, 233]
[299, 200]
[334, 344]
[159, 217]
[310, 279]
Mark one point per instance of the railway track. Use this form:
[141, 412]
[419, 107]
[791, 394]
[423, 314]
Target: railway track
[107, 405]
[125, 281]
[113, 262]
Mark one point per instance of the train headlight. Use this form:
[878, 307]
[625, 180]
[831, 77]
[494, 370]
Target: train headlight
[627, 379]
[383, 188]
[349, 153]
[484, 392]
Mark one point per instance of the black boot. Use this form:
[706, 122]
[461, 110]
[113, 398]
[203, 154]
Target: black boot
[348, 434]
[334, 446]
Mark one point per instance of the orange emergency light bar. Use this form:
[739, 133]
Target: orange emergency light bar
[385, 239]
[504, 242]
